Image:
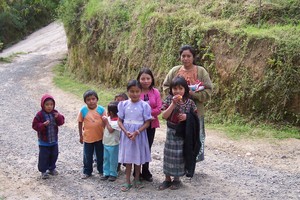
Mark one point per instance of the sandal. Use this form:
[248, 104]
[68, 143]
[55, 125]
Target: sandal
[165, 185]
[137, 184]
[175, 185]
[126, 187]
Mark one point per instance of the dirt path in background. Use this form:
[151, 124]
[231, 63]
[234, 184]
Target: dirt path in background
[259, 169]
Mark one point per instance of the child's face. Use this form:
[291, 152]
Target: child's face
[145, 80]
[178, 89]
[91, 102]
[134, 93]
[48, 106]
[187, 58]
[119, 98]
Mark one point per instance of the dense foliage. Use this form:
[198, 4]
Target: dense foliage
[251, 50]
[21, 17]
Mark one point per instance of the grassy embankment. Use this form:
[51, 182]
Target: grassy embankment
[110, 40]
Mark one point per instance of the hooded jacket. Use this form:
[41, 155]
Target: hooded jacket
[47, 134]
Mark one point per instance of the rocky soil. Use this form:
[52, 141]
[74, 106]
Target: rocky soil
[247, 169]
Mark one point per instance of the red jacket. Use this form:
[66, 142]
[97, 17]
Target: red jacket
[40, 118]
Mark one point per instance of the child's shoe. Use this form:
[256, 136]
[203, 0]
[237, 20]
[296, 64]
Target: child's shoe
[45, 175]
[85, 176]
[104, 178]
[112, 178]
[53, 172]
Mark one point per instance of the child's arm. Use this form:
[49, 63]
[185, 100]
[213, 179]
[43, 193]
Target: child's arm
[120, 123]
[107, 124]
[59, 118]
[139, 130]
[104, 115]
[80, 132]
[38, 125]
[166, 113]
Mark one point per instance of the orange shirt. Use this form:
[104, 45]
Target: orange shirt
[92, 127]
[191, 76]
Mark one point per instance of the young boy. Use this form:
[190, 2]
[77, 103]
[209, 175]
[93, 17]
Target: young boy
[46, 123]
[91, 126]
[111, 142]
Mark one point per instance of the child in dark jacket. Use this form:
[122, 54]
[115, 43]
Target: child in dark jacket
[46, 123]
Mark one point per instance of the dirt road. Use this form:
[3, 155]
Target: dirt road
[252, 169]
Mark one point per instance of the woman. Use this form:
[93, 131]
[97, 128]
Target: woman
[194, 75]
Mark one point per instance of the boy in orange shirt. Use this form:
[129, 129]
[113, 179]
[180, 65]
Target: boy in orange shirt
[91, 128]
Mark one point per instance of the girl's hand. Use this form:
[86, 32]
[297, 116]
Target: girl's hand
[46, 123]
[177, 98]
[104, 119]
[182, 117]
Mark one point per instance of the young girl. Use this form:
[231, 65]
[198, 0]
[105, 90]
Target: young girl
[134, 118]
[111, 140]
[175, 107]
[150, 95]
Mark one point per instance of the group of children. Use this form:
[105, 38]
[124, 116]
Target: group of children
[123, 133]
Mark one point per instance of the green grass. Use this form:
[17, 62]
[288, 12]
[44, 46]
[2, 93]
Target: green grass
[65, 81]
[9, 58]
[245, 131]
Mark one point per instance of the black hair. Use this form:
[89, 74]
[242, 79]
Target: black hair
[191, 49]
[180, 80]
[89, 93]
[113, 107]
[146, 70]
[121, 95]
[132, 83]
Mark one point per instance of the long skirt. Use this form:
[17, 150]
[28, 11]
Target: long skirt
[173, 154]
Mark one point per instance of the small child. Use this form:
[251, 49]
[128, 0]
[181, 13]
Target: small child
[46, 123]
[121, 97]
[197, 87]
[175, 108]
[111, 140]
[91, 126]
[134, 118]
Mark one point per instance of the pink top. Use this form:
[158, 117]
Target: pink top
[155, 104]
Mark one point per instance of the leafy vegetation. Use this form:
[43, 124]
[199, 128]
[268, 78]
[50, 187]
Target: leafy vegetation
[19, 18]
[251, 51]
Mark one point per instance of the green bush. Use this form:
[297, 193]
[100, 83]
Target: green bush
[20, 18]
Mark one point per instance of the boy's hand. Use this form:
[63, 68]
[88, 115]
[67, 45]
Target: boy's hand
[55, 114]
[81, 139]
[46, 123]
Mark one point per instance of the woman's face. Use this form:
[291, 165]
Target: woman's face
[187, 58]
[178, 90]
[134, 93]
[145, 80]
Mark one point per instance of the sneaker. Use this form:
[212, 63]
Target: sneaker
[85, 176]
[104, 178]
[45, 175]
[112, 178]
[53, 172]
